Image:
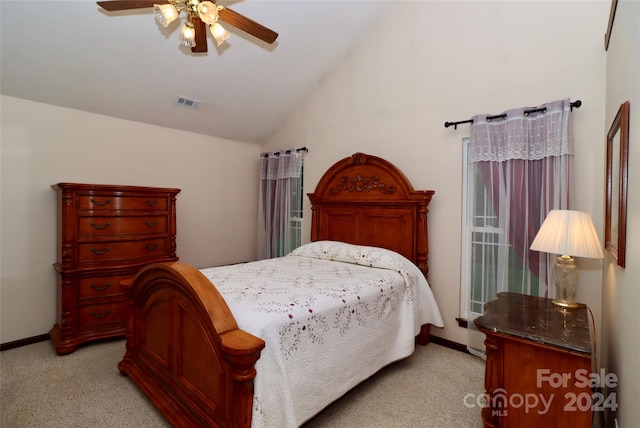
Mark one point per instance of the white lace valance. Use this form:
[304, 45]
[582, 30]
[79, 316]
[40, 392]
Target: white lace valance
[284, 164]
[523, 136]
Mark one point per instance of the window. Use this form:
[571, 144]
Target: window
[281, 196]
[295, 219]
[480, 242]
[490, 262]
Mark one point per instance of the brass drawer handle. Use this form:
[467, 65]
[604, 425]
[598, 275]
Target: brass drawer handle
[154, 224]
[97, 226]
[99, 288]
[100, 204]
[151, 247]
[100, 316]
[151, 203]
[101, 252]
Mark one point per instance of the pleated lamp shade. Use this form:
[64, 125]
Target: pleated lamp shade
[570, 233]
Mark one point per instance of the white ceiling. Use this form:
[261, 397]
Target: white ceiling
[124, 64]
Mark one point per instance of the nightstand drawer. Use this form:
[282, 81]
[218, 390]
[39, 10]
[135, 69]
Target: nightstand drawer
[108, 202]
[114, 226]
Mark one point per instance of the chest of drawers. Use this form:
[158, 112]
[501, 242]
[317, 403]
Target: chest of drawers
[106, 233]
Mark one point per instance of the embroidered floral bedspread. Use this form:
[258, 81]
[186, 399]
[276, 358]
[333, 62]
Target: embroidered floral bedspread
[331, 314]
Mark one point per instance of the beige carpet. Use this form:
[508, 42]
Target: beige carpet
[85, 389]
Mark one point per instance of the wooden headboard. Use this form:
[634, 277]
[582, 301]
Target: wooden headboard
[366, 200]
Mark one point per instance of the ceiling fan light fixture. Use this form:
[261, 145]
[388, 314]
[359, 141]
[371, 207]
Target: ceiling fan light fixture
[219, 33]
[208, 12]
[187, 36]
[165, 13]
[199, 14]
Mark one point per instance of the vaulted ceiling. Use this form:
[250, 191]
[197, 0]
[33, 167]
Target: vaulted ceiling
[125, 64]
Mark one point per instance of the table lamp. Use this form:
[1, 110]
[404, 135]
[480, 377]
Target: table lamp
[568, 234]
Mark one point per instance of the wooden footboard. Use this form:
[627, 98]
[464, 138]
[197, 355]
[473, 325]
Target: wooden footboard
[184, 349]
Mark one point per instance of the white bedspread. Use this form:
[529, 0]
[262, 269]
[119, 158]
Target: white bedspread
[331, 314]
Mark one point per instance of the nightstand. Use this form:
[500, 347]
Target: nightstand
[538, 368]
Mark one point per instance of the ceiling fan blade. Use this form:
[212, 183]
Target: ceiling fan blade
[201, 35]
[115, 5]
[245, 24]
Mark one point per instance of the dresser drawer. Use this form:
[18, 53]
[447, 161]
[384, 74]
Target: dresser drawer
[101, 287]
[113, 226]
[121, 203]
[96, 316]
[129, 251]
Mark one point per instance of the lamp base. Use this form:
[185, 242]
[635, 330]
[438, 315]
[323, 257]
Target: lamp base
[563, 304]
[565, 279]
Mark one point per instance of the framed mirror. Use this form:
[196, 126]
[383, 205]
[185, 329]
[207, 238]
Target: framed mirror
[615, 235]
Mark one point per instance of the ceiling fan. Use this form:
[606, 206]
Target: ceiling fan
[200, 14]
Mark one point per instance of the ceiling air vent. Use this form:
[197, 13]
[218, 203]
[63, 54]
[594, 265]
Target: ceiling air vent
[189, 103]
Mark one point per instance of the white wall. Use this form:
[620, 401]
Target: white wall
[43, 145]
[431, 62]
[621, 286]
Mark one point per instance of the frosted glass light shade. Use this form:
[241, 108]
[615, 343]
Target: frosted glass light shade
[187, 36]
[568, 233]
[208, 12]
[165, 13]
[219, 33]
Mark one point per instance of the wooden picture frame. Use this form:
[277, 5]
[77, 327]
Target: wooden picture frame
[615, 235]
[612, 16]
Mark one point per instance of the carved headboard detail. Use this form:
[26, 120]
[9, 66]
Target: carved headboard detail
[366, 200]
[361, 183]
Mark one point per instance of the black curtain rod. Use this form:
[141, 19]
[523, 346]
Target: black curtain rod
[301, 149]
[576, 104]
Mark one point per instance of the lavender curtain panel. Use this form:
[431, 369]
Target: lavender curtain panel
[525, 162]
[280, 178]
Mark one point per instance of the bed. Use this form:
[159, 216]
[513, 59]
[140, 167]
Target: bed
[272, 342]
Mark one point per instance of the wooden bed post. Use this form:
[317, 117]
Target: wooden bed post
[422, 243]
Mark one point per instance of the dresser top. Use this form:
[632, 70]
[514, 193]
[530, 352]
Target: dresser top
[116, 188]
[536, 318]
